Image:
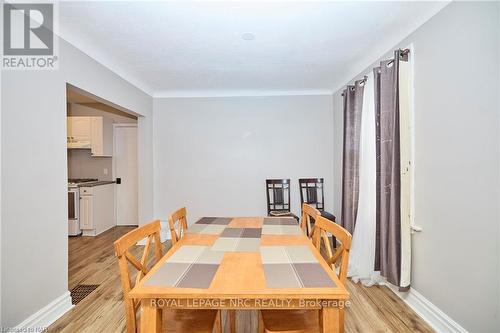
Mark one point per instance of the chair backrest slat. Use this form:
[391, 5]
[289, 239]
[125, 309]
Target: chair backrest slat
[309, 214]
[144, 260]
[177, 222]
[136, 263]
[323, 226]
[132, 237]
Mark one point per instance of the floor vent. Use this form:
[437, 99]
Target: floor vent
[81, 291]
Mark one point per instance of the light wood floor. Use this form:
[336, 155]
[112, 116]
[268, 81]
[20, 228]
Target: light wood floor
[92, 261]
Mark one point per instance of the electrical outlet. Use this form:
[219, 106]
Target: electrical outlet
[105, 171]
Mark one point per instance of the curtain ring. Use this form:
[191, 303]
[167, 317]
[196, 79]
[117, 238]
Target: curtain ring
[363, 81]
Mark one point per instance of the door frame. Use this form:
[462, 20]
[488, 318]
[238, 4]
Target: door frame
[113, 165]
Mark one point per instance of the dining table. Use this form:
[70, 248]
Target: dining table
[242, 263]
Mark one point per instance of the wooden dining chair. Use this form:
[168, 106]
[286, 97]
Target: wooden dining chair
[177, 222]
[322, 228]
[298, 321]
[309, 214]
[176, 320]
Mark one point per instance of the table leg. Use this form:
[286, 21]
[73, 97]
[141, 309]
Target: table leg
[232, 319]
[330, 320]
[150, 317]
[341, 320]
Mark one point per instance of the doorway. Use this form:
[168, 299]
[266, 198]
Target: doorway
[101, 147]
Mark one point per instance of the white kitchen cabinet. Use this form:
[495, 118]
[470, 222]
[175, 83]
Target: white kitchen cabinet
[95, 133]
[101, 136]
[86, 212]
[97, 213]
[79, 128]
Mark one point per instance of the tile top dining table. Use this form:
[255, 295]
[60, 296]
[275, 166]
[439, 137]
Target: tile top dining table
[242, 263]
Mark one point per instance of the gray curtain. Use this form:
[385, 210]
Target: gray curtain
[388, 231]
[353, 103]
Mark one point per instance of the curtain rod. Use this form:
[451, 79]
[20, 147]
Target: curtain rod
[403, 57]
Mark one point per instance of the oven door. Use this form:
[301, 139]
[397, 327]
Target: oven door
[72, 204]
[73, 211]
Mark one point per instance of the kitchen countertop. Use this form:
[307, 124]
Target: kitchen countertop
[98, 183]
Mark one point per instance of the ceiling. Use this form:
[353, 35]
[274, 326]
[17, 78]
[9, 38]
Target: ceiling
[189, 48]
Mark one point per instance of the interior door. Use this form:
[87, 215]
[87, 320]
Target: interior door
[125, 169]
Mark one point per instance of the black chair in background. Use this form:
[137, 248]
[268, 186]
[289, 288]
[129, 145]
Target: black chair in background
[312, 193]
[278, 197]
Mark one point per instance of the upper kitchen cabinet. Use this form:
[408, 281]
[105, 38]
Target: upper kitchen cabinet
[79, 128]
[94, 133]
[102, 136]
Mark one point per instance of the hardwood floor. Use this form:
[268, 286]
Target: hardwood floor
[92, 261]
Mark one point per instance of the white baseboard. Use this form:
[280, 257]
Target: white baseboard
[48, 314]
[436, 318]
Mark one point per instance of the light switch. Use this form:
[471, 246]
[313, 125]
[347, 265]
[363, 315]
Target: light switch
[105, 171]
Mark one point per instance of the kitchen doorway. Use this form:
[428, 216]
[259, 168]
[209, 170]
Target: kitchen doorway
[102, 165]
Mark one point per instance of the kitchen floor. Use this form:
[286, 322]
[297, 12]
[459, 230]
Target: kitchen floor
[92, 262]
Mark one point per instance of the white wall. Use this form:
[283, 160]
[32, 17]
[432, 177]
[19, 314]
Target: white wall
[213, 155]
[145, 156]
[1, 283]
[34, 252]
[498, 94]
[455, 257]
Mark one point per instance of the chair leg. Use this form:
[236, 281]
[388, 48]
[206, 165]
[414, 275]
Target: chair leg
[341, 320]
[232, 320]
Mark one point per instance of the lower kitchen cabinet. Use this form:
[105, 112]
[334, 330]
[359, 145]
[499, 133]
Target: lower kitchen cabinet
[86, 212]
[96, 209]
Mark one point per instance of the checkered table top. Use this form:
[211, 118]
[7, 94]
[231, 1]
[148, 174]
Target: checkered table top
[271, 253]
